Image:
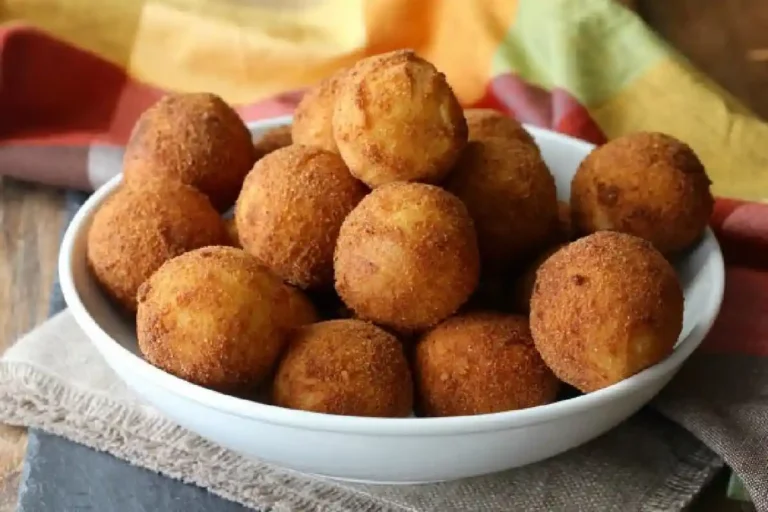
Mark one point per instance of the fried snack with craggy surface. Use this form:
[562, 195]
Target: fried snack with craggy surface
[312, 120]
[217, 318]
[604, 308]
[480, 363]
[234, 238]
[646, 184]
[195, 138]
[563, 231]
[397, 119]
[484, 123]
[522, 289]
[272, 140]
[511, 196]
[143, 225]
[290, 210]
[345, 367]
[407, 256]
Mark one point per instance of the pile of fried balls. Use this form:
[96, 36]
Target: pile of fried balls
[392, 254]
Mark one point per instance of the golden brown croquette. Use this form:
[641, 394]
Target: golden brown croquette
[480, 363]
[646, 184]
[522, 288]
[290, 210]
[604, 308]
[300, 309]
[346, 367]
[143, 225]
[484, 123]
[271, 140]
[234, 238]
[217, 318]
[407, 256]
[195, 138]
[563, 232]
[312, 120]
[511, 196]
[397, 119]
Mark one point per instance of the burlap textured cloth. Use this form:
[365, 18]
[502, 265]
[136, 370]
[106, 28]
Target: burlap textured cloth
[54, 379]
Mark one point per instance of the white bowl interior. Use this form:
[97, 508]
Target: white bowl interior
[700, 270]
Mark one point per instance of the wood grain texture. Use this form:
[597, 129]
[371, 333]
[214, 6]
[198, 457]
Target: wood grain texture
[31, 218]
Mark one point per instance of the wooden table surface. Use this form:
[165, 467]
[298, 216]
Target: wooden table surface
[31, 217]
[727, 40]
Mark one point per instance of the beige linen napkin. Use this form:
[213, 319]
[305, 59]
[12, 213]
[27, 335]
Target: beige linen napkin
[55, 380]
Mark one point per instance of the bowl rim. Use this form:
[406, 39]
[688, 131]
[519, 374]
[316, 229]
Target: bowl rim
[136, 366]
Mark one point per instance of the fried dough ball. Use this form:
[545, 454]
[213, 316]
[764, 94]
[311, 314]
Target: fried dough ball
[290, 210]
[234, 238]
[271, 140]
[649, 185]
[563, 231]
[143, 225]
[217, 318]
[484, 123]
[407, 256]
[300, 310]
[346, 367]
[397, 119]
[511, 196]
[312, 121]
[523, 286]
[604, 308]
[480, 363]
[195, 138]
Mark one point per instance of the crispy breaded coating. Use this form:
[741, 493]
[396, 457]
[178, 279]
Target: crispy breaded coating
[407, 256]
[346, 367]
[271, 140]
[563, 231]
[397, 119]
[523, 285]
[299, 309]
[646, 184]
[290, 210]
[195, 138]
[217, 318]
[511, 196]
[484, 123]
[143, 225]
[234, 238]
[312, 120]
[604, 308]
[480, 363]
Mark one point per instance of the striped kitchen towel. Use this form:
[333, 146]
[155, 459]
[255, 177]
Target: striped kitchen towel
[77, 73]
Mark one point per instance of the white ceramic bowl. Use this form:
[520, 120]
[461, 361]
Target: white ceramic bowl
[384, 450]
